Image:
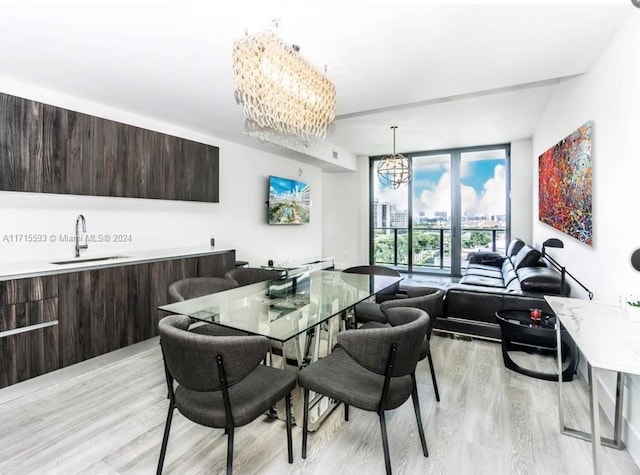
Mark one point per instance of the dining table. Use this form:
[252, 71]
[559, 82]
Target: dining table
[300, 313]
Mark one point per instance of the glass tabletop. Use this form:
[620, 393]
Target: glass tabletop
[283, 308]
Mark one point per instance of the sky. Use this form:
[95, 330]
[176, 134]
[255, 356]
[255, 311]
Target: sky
[483, 188]
[279, 185]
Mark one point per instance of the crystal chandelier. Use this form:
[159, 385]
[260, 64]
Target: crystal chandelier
[393, 170]
[280, 90]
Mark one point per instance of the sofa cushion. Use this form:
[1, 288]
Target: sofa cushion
[494, 272]
[526, 257]
[540, 279]
[509, 276]
[483, 281]
[507, 266]
[485, 258]
[514, 286]
[482, 266]
[514, 247]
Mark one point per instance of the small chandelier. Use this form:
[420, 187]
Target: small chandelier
[393, 170]
[280, 90]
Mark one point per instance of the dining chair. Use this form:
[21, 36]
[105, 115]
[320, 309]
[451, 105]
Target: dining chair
[370, 311]
[428, 299]
[220, 381]
[371, 369]
[251, 275]
[192, 287]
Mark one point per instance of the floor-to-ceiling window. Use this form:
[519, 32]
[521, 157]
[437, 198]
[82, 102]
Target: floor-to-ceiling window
[456, 203]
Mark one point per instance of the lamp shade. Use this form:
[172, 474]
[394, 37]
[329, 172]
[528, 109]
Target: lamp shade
[553, 242]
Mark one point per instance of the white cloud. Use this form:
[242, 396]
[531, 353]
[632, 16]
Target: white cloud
[494, 194]
[465, 168]
[438, 199]
[490, 201]
[397, 198]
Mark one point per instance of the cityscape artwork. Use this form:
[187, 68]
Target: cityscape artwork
[289, 201]
[565, 185]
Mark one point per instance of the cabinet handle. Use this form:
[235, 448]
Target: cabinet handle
[28, 328]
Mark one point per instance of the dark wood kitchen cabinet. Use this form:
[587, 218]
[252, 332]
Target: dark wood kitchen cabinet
[48, 149]
[20, 144]
[54, 321]
[66, 152]
[102, 310]
[28, 328]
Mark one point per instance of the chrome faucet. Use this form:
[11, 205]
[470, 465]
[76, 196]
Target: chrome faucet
[80, 219]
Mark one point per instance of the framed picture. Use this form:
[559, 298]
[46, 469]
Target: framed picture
[289, 201]
[565, 185]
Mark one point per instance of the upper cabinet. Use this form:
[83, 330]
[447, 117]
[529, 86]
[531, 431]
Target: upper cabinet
[20, 144]
[47, 149]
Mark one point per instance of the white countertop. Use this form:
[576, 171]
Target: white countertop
[608, 339]
[25, 269]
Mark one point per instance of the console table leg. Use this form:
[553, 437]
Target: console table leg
[560, 398]
[595, 420]
[617, 424]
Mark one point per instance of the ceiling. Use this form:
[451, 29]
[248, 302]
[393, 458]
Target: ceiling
[446, 74]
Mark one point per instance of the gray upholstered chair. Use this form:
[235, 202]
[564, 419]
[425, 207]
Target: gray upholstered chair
[372, 369]
[370, 311]
[220, 381]
[430, 300]
[193, 287]
[251, 275]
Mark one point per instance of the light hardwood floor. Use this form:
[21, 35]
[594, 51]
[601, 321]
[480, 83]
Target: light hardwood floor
[490, 420]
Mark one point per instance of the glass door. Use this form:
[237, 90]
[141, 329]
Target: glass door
[432, 216]
[390, 225]
[456, 203]
[483, 202]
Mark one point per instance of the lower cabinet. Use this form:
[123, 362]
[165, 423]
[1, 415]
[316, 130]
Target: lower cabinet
[51, 322]
[29, 333]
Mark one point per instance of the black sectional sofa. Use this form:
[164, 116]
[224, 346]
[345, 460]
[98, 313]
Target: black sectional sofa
[517, 281]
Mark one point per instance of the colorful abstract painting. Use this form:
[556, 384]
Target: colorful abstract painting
[565, 180]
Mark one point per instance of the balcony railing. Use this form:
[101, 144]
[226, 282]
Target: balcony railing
[432, 245]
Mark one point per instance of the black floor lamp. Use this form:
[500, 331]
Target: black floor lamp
[557, 243]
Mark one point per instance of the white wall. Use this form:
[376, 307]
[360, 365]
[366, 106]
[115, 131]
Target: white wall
[340, 218]
[521, 189]
[345, 208]
[238, 221]
[609, 95]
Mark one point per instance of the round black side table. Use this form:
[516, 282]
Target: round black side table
[520, 334]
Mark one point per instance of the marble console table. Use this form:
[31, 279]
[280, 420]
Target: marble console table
[609, 341]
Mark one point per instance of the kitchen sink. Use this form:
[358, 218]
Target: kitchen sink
[91, 259]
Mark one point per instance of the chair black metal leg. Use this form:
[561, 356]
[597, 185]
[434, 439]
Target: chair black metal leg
[433, 376]
[165, 439]
[385, 442]
[416, 408]
[346, 411]
[230, 450]
[305, 423]
[287, 403]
